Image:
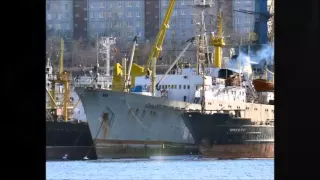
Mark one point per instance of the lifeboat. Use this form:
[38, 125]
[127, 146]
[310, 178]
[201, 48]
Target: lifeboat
[262, 85]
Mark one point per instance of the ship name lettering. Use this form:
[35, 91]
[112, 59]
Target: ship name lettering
[152, 106]
[237, 130]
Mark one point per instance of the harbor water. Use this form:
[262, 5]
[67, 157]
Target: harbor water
[183, 168]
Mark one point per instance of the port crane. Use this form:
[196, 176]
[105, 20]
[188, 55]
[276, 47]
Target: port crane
[261, 21]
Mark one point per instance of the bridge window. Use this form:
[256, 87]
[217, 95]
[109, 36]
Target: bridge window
[179, 86]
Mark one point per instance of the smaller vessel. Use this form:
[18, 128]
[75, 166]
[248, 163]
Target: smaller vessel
[264, 84]
[222, 135]
[66, 137]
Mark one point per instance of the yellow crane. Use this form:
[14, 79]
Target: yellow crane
[136, 70]
[63, 77]
[218, 42]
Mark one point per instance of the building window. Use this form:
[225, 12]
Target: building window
[184, 33]
[92, 25]
[129, 14]
[138, 14]
[67, 27]
[183, 22]
[174, 13]
[120, 14]
[66, 6]
[48, 6]
[120, 4]
[182, 2]
[102, 25]
[164, 3]
[110, 5]
[50, 26]
[138, 4]
[101, 5]
[49, 16]
[92, 15]
[179, 86]
[182, 12]
[238, 20]
[138, 23]
[129, 33]
[101, 15]
[129, 23]
[129, 4]
[58, 26]
[193, 21]
[173, 22]
[184, 86]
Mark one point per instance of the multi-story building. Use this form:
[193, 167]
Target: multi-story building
[117, 18]
[59, 17]
[182, 25]
[152, 19]
[243, 23]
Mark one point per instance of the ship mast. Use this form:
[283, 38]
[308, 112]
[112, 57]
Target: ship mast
[202, 49]
[106, 43]
[64, 78]
[218, 42]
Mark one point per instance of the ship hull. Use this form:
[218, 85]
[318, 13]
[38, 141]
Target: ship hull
[130, 125]
[221, 136]
[73, 139]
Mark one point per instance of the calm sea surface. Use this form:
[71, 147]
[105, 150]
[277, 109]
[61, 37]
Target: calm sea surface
[183, 168]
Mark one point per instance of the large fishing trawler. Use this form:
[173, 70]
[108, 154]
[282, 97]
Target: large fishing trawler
[146, 120]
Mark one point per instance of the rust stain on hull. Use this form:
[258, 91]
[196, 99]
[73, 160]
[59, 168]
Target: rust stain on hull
[105, 123]
[262, 150]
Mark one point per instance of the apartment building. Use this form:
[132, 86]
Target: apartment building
[59, 17]
[116, 18]
[243, 23]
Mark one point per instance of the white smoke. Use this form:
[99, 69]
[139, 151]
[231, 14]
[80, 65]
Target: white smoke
[244, 62]
[266, 53]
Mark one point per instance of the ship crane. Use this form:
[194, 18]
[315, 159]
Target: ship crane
[63, 77]
[218, 42]
[119, 76]
[190, 42]
[157, 46]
